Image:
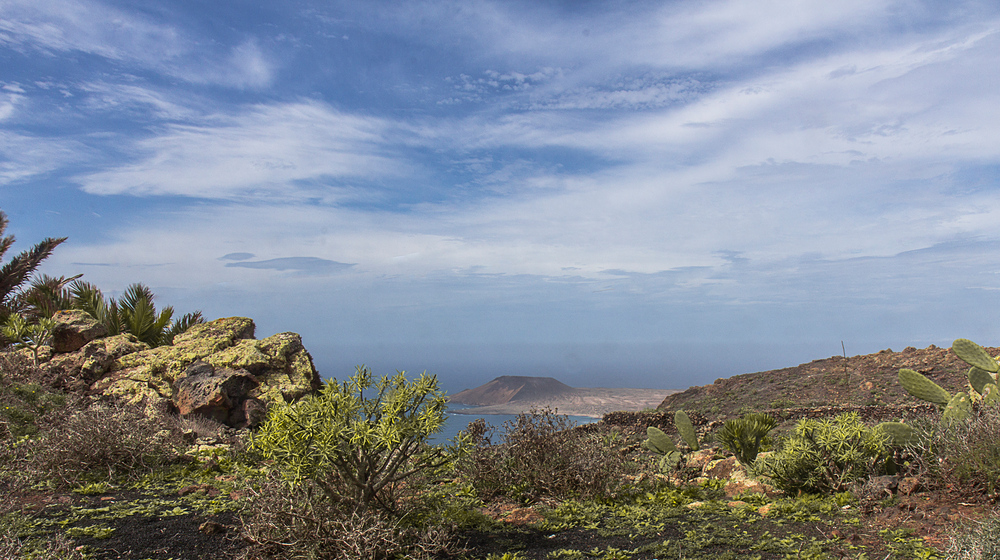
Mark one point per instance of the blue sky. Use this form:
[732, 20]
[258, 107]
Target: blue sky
[644, 194]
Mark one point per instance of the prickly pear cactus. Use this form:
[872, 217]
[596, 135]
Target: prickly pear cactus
[959, 408]
[658, 441]
[974, 355]
[900, 434]
[990, 395]
[669, 462]
[979, 379]
[686, 429]
[924, 389]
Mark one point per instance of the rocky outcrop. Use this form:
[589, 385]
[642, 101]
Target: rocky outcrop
[74, 329]
[214, 369]
[77, 371]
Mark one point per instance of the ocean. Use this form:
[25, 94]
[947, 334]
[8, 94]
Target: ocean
[455, 423]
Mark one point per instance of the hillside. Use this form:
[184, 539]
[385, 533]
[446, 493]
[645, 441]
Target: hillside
[870, 379]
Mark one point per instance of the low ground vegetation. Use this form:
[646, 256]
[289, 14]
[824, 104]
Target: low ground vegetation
[348, 473]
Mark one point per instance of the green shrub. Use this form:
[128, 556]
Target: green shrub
[538, 456]
[827, 455]
[745, 436]
[22, 401]
[358, 451]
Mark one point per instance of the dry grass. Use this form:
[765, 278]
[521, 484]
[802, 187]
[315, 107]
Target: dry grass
[539, 457]
[283, 521]
[98, 441]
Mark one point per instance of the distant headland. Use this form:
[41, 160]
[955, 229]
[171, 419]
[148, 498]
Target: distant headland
[513, 394]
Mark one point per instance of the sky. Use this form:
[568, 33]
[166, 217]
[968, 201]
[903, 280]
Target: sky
[616, 194]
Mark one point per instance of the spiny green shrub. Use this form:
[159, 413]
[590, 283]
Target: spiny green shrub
[358, 449]
[538, 456]
[827, 455]
[745, 436]
[658, 442]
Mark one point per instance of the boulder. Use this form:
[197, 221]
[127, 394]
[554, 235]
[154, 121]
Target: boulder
[212, 392]
[73, 329]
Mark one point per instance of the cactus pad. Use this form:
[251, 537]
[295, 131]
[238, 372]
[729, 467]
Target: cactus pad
[990, 394]
[958, 409]
[669, 462]
[658, 441]
[686, 429]
[979, 378]
[974, 355]
[900, 434]
[922, 388]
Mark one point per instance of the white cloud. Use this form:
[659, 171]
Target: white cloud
[23, 156]
[96, 28]
[262, 150]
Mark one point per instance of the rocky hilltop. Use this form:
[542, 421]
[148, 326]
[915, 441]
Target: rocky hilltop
[514, 394]
[869, 380]
[507, 388]
[215, 369]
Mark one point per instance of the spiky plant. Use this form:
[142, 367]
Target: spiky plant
[134, 312]
[18, 270]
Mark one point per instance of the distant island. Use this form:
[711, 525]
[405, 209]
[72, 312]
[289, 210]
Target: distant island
[514, 394]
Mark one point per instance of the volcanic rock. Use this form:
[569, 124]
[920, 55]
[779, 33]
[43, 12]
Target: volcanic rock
[73, 329]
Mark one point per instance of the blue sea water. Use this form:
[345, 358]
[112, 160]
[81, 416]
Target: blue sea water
[454, 423]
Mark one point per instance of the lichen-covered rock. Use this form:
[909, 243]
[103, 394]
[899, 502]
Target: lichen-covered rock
[291, 373]
[73, 329]
[78, 370]
[273, 369]
[196, 343]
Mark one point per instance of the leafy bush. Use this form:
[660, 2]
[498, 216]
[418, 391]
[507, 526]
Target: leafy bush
[98, 442]
[134, 312]
[827, 455]
[745, 436]
[539, 456]
[358, 451]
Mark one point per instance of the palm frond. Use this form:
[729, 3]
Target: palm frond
[45, 296]
[186, 321]
[18, 270]
[5, 242]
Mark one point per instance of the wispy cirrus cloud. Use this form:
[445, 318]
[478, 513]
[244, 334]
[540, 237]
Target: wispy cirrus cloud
[92, 27]
[264, 149]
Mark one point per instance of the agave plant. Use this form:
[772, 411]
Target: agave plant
[745, 436]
